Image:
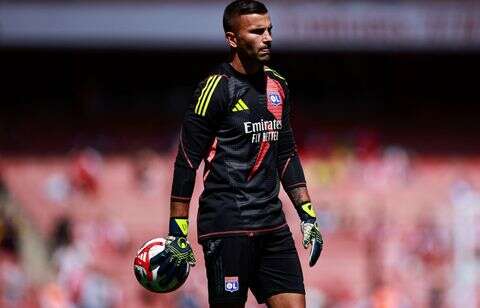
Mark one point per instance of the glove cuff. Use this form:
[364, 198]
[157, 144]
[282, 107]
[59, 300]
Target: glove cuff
[306, 212]
[178, 226]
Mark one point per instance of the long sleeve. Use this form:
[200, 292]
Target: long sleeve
[289, 166]
[197, 134]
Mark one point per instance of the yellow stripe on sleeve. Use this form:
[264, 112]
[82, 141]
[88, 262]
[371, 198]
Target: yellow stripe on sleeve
[204, 90]
[207, 93]
[205, 105]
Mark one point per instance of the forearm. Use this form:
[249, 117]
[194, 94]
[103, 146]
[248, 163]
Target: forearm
[179, 209]
[178, 225]
[301, 201]
[293, 180]
[182, 188]
[299, 196]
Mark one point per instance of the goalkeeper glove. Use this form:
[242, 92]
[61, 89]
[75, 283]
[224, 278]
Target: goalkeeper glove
[310, 231]
[177, 243]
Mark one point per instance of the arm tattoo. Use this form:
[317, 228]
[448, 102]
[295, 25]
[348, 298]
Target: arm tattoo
[179, 209]
[299, 196]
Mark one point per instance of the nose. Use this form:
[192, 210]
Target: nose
[267, 37]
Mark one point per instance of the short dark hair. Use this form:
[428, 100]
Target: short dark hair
[241, 7]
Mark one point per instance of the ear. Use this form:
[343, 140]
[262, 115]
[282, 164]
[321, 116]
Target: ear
[231, 39]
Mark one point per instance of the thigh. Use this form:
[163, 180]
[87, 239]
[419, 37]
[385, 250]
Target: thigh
[286, 300]
[228, 305]
[227, 262]
[278, 267]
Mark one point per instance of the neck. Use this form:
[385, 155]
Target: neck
[245, 66]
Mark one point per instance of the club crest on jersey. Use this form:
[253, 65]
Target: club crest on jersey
[231, 284]
[274, 98]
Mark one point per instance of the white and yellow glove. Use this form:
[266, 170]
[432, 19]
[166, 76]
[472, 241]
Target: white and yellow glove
[311, 233]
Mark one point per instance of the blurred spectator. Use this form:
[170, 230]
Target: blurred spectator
[104, 235]
[99, 292]
[86, 168]
[57, 188]
[14, 284]
[69, 259]
[78, 282]
[431, 245]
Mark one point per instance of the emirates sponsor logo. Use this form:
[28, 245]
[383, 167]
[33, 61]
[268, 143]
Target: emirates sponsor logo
[263, 130]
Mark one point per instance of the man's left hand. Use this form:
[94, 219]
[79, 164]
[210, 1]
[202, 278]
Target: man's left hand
[312, 237]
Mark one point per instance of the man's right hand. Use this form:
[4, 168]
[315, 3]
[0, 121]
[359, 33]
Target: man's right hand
[177, 244]
[180, 249]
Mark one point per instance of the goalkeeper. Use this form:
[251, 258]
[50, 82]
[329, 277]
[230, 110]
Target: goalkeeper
[238, 124]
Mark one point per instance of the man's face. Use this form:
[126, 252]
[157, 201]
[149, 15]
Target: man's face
[254, 36]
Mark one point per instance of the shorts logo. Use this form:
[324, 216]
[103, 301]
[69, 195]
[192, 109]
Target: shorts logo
[231, 284]
[274, 98]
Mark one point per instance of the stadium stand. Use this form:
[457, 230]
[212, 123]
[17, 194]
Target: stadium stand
[381, 221]
[388, 141]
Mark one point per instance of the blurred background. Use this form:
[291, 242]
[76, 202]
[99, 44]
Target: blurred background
[386, 103]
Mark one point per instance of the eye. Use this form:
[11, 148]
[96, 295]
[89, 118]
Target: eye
[258, 31]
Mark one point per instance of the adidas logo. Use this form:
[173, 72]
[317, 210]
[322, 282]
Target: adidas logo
[240, 106]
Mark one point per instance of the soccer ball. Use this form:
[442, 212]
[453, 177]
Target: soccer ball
[155, 270]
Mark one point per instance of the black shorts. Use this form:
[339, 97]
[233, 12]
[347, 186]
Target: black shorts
[266, 263]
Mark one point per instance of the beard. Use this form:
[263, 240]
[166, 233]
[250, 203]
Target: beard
[262, 58]
[264, 54]
[252, 54]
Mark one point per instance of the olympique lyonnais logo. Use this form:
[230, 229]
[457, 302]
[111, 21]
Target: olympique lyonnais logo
[231, 284]
[274, 98]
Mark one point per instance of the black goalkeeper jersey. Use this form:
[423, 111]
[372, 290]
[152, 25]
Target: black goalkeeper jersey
[239, 126]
